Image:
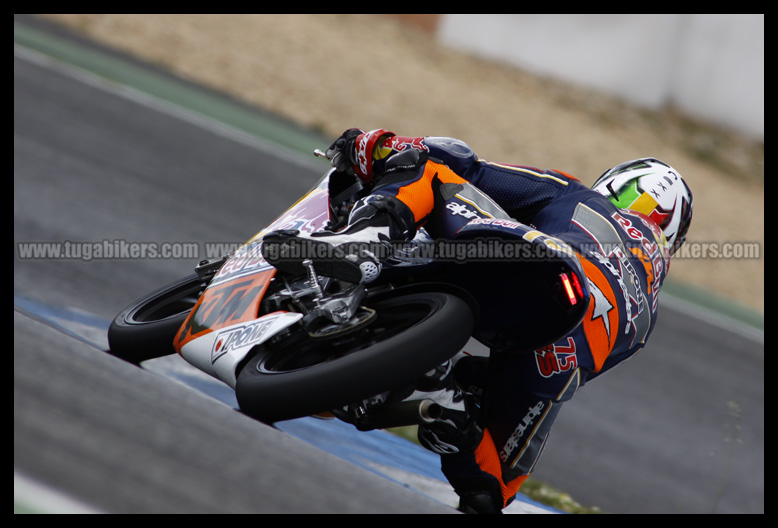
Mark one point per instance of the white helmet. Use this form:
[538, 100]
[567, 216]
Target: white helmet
[655, 189]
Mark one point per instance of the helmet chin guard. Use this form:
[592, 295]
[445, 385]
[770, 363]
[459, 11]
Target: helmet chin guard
[368, 148]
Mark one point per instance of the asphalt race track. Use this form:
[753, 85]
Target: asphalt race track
[678, 429]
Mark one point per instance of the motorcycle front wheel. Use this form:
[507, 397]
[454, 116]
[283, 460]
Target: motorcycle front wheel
[300, 375]
[146, 329]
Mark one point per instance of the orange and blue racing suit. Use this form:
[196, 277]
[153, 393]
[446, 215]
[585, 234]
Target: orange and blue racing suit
[622, 254]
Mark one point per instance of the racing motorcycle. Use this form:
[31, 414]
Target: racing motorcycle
[295, 345]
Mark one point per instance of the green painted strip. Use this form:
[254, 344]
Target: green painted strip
[715, 303]
[268, 127]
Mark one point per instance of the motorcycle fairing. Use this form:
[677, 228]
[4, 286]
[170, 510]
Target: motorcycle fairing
[219, 352]
[224, 304]
[225, 323]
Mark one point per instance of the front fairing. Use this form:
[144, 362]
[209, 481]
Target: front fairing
[226, 322]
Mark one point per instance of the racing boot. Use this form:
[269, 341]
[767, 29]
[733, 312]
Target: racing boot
[354, 254]
[471, 373]
[348, 256]
[457, 426]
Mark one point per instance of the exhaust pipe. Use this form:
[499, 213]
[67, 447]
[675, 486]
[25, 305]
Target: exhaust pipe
[416, 412]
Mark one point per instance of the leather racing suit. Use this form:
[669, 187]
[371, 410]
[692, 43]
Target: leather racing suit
[621, 253]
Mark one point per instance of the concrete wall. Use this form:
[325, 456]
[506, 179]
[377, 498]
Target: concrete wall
[709, 65]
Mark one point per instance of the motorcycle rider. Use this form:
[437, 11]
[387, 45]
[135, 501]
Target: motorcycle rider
[623, 231]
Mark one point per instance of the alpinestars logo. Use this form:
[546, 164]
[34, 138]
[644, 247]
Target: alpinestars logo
[457, 209]
[517, 437]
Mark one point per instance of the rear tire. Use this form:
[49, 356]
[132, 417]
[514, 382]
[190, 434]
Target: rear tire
[301, 376]
[146, 329]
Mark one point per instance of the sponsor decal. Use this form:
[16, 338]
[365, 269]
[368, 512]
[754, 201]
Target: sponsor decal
[556, 358]
[400, 143]
[514, 440]
[224, 305]
[458, 209]
[652, 253]
[498, 222]
[245, 260]
[240, 336]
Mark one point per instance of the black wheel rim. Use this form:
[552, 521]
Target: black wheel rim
[301, 352]
[170, 304]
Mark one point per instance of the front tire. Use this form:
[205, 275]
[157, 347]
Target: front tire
[301, 376]
[146, 329]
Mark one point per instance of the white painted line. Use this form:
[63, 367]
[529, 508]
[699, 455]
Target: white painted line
[711, 317]
[34, 497]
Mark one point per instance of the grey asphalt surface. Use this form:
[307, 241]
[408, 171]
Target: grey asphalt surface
[678, 429]
[107, 433]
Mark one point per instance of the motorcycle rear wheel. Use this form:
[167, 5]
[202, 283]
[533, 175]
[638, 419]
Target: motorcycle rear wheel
[146, 329]
[300, 376]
